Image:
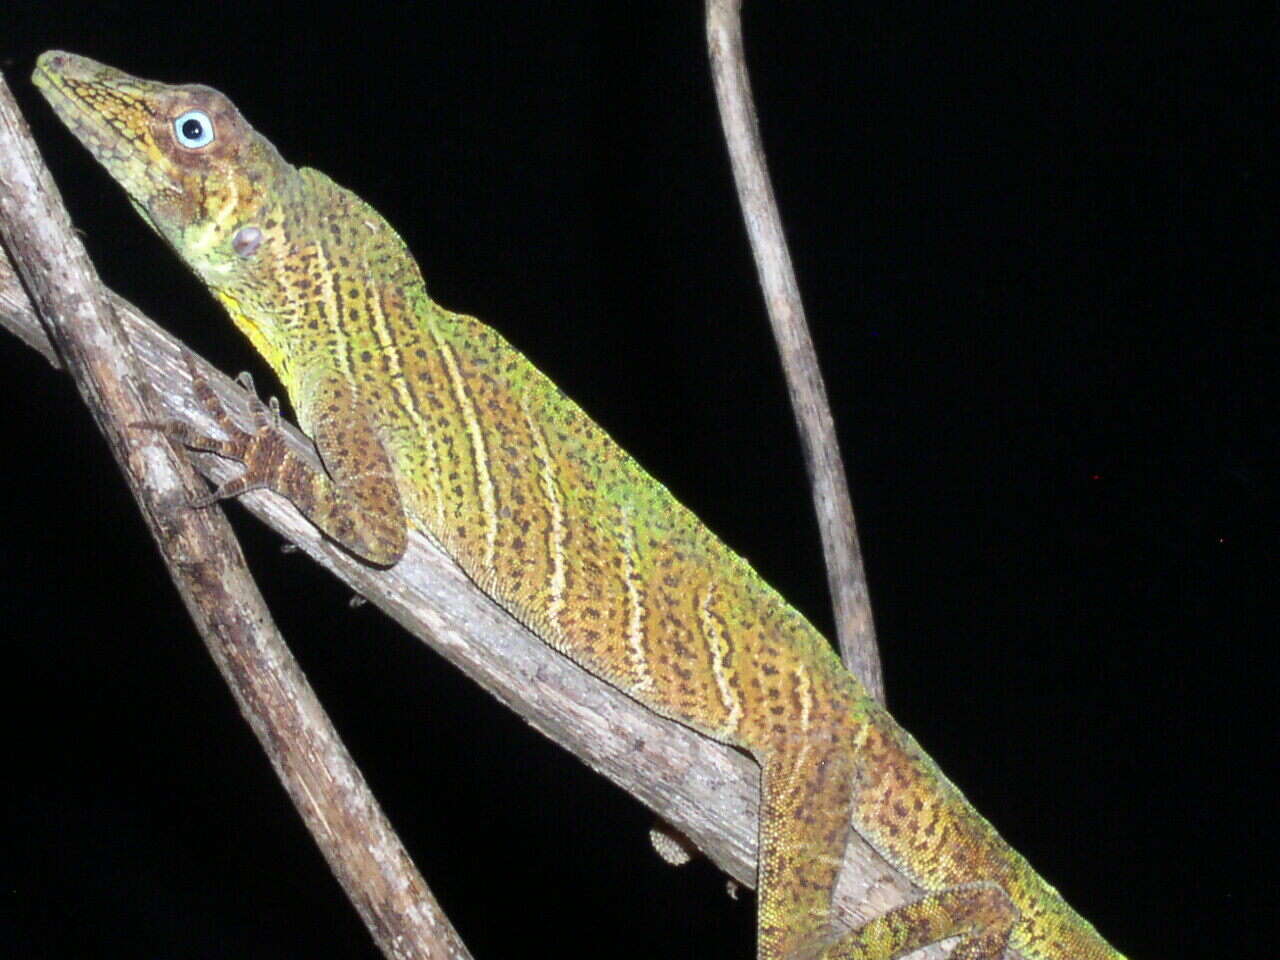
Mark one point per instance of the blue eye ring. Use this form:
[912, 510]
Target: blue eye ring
[193, 129]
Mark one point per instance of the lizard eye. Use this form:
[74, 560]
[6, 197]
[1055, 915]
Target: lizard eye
[194, 129]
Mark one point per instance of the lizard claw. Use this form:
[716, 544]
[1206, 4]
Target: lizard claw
[260, 450]
[264, 415]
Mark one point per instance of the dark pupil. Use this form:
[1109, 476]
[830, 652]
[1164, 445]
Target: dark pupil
[192, 129]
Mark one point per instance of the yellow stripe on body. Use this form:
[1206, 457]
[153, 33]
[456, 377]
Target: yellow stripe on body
[804, 696]
[479, 456]
[718, 646]
[637, 656]
[557, 530]
[406, 401]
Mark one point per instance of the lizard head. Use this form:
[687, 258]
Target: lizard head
[191, 165]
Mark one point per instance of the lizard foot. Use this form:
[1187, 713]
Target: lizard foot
[262, 451]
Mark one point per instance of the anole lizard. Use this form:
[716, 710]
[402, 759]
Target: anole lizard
[428, 419]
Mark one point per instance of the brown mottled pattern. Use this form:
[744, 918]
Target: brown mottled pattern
[428, 418]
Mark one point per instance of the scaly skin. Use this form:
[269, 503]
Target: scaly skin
[428, 419]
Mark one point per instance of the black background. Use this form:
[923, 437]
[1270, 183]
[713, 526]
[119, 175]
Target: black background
[1038, 249]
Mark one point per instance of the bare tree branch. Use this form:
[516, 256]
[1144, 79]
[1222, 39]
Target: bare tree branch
[855, 629]
[205, 561]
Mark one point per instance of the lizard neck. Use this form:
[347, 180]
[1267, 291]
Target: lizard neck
[324, 285]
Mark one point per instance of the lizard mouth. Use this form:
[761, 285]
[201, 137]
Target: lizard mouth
[104, 109]
[67, 82]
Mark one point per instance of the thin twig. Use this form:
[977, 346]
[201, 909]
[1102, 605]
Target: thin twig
[855, 630]
[208, 568]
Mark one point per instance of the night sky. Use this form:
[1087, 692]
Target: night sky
[1038, 249]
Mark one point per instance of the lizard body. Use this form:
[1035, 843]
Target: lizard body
[428, 419]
